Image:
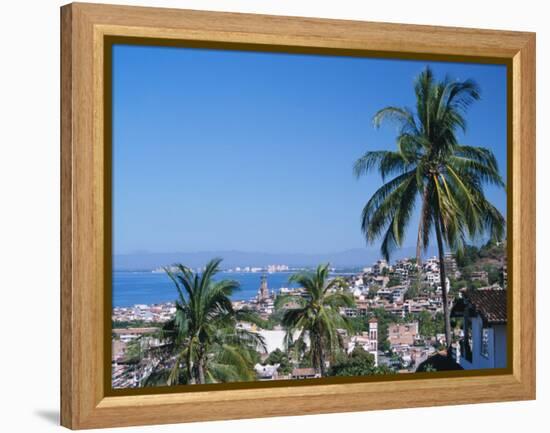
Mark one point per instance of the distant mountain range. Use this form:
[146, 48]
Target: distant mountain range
[357, 257]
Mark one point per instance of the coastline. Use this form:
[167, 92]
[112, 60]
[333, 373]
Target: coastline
[132, 288]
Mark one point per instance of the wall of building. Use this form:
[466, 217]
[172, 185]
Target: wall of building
[501, 348]
[496, 344]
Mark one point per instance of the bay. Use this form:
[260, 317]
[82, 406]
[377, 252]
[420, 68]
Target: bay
[141, 287]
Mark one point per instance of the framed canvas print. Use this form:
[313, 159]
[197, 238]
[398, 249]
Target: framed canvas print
[315, 215]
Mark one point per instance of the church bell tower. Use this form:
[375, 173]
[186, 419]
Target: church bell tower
[263, 292]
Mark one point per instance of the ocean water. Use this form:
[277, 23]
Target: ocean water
[130, 288]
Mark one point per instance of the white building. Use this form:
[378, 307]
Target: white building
[367, 340]
[275, 339]
[379, 267]
[432, 277]
[447, 285]
[266, 372]
[485, 338]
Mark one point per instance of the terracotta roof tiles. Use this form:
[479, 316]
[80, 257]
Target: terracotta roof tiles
[490, 304]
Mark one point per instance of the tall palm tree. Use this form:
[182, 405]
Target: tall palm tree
[431, 166]
[203, 339]
[316, 315]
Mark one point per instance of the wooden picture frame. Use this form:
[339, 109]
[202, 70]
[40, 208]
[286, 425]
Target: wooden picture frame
[85, 211]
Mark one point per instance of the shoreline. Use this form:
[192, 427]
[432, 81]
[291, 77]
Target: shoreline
[131, 288]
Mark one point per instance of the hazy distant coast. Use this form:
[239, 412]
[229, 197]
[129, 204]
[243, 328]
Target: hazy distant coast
[356, 257]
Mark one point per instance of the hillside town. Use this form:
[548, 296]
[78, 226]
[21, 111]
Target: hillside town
[395, 323]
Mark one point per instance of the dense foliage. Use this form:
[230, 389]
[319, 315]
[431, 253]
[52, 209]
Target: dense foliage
[203, 339]
[316, 316]
[281, 358]
[428, 325]
[123, 324]
[358, 363]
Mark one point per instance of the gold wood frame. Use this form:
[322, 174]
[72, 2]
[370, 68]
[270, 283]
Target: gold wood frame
[86, 29]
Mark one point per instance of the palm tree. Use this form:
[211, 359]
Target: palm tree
[203, 339]
[432, 166]
[316, 315]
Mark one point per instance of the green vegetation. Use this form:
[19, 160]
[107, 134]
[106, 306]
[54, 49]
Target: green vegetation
[281, 358]
[358, 363]
[431, 165]
[428, 325]
[412, 292]
[489, 258]
[123, 324]
[203, 337]
[394, 281]
[134, 352]
[317, 315]
[472, 256]
[416, 286]
[358, 324]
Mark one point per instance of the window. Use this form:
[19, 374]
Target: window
[485, 342]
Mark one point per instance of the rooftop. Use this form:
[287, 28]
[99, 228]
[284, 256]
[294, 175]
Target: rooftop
[490, 304]
[303, 372]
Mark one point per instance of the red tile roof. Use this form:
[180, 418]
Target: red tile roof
[490, 304]
[303, 372]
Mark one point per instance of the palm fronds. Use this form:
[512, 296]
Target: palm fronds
[430, 166]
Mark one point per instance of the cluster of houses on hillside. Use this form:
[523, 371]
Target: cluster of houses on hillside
[373, 288]
[479, 342]
[126, 372]
[155, 313]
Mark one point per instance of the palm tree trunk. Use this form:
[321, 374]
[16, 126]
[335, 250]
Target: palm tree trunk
[200, 369]
[189, 364]
[318, 353]
[442, 276]
[419, 240]
[322, 362]
[191, 374]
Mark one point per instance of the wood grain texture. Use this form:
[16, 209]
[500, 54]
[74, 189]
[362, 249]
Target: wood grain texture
[67, 394]
[524, 219]
[84, 403]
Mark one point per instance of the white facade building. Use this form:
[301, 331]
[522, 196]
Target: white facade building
[367, 340]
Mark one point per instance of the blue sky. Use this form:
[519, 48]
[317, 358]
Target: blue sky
[226, 150]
